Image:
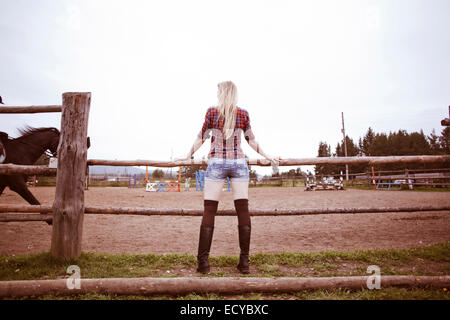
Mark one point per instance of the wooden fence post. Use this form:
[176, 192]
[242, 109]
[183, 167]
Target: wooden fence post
[86, 186]
[68, 207]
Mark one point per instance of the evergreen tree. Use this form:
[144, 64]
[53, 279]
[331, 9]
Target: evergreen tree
[158, 173]
[433, 141]
[352, 151]
[360, 146]
[400, 143]
[418, 144]
[444, 140]
[379, 145]
[323, 151]
[367, 142]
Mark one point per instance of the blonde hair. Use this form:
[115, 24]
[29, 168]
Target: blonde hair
[227, 104]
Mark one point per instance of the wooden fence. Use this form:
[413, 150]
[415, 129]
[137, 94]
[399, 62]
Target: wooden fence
[68, 208]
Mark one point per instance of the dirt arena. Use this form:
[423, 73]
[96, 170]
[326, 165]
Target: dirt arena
[164, 234]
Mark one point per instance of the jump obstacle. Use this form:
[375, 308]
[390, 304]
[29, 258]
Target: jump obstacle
[68, 210]
[163, 186]
[326, 184]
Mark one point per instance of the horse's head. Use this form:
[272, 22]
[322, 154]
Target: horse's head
[3, 141]
[34, 142]
[53, 141]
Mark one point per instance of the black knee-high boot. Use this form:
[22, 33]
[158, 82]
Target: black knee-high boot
[244, 244]
[244, 229]
[204, 246]
[206, 235]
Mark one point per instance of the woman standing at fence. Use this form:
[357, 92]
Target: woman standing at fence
[225, 123]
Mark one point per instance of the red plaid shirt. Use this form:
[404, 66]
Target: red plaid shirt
[226, 148]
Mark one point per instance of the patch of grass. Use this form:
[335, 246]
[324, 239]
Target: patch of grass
[381, 294]
[337, 294]
[195, 296]
[324, 266]
[432, 260]
[223, 261]
[44, 266]
[218, 273]
[269, 268]
[32, 266]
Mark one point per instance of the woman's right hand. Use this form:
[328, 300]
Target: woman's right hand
[275, 161]
[182, 159]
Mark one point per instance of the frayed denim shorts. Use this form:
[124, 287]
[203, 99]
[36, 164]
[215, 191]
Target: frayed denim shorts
[219, 169]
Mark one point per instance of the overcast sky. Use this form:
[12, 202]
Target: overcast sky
[153, 67]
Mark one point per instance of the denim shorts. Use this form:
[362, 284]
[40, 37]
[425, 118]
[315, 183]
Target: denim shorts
[219, 169]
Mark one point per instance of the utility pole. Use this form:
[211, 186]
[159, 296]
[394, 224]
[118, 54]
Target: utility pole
[345, 147]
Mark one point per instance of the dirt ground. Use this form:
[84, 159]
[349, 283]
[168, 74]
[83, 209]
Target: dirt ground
[164, 234]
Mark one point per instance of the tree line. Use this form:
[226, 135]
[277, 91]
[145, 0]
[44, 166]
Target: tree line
[400, 143]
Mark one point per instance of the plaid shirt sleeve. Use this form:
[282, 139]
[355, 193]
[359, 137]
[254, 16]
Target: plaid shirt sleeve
[206, 128]
[248, 133]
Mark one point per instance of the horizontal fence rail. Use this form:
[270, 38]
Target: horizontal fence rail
[16, 169]
[30, 109]
[45, 211]
[222, 285]
[283, 162]
[12, 169]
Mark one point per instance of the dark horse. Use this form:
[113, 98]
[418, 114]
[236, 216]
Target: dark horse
[26, 150]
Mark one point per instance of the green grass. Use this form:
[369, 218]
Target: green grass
[420, 261]
[430, 260]
[44, 266]
[365, 294]
[338, 294]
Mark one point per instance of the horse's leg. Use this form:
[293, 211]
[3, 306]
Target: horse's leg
[18, 184]
[2, 187]
[3, 184]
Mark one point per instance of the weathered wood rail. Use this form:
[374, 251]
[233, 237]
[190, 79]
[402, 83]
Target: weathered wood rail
[15, 212]
[30, 109]
[283, 162]
[222, 285]
[11, 169]
[15, 169]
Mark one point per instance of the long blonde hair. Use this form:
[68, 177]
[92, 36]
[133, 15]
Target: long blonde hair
[227, 104]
